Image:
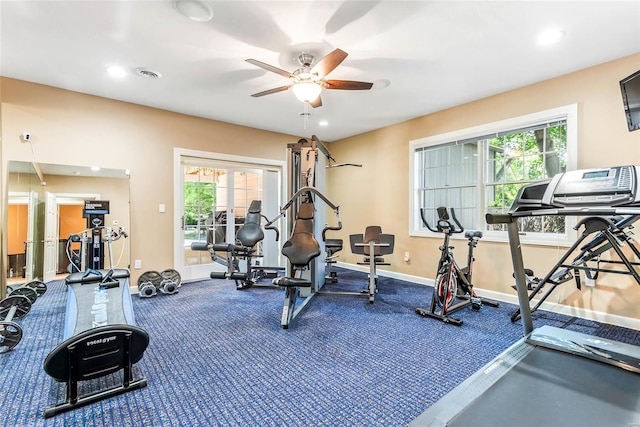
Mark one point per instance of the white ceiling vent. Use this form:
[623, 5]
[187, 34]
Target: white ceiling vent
[143, 72]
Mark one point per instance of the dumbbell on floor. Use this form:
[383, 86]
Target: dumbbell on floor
[150, 282]
[170, 281]
[12, 307]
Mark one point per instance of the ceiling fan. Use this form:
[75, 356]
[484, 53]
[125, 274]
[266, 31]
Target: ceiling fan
[308, 82]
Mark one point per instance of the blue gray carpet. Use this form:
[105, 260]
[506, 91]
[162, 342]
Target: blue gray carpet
[218, 357]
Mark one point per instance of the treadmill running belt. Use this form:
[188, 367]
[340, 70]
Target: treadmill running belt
[551, 388]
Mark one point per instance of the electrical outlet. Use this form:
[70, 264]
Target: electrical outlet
[589, 282]
[137, 264]
[406, 257]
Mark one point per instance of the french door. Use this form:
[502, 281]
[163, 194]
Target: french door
[214, 200]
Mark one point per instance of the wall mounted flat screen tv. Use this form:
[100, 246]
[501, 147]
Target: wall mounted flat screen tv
[630, 87]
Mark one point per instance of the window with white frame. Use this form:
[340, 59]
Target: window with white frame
[481, 169]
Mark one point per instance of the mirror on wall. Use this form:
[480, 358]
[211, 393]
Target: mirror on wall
[45, 207]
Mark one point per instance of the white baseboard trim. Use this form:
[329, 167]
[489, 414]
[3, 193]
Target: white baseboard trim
[583, 313]
[386, 273]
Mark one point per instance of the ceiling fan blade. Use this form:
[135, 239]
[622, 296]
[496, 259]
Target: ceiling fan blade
[347, 85]
[329, 63]
[316, 102]
[269, 68]
[270, 91]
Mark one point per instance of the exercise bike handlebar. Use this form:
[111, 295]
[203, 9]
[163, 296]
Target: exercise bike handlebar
[443, 221]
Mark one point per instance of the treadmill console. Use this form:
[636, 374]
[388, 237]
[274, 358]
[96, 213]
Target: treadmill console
[607, 187]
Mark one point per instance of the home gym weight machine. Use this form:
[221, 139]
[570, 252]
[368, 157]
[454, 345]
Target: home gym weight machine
[453, 283]
[240, 255]
[595, 380]
[91, 255]
[305, 273]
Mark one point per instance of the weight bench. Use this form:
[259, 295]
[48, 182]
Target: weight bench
[100, 338]
[247, 237]
[301, 248]
[373, 244]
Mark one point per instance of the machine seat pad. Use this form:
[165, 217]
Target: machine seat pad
[470, 234]
[292, 282]
[250, 233]
[301, 248]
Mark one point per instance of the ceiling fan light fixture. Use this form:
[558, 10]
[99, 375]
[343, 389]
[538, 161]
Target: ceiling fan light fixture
[306, 91]
[195, 10]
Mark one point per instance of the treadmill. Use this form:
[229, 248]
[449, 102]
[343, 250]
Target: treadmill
[552, 376]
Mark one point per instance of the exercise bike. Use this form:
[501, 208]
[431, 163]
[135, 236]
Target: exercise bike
[453, 289]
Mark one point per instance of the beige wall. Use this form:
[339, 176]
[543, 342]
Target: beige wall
[77, 129]
[378, 193]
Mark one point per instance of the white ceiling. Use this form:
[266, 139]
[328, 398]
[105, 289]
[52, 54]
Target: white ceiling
[435, 54]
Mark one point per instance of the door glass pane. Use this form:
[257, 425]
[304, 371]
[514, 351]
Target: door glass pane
[199, 206]
[247, 187]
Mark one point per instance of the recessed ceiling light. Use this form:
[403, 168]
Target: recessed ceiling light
[195, 10]
[549, 37]
[323, 123]
[117, 72]
[95, 168]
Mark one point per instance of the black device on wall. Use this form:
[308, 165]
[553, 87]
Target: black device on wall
[630, 87]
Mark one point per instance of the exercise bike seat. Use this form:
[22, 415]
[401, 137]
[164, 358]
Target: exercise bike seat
[470, 234]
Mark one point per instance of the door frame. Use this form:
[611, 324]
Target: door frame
[25, 198]
[242, 161]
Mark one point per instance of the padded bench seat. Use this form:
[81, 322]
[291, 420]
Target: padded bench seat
[91, 304]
